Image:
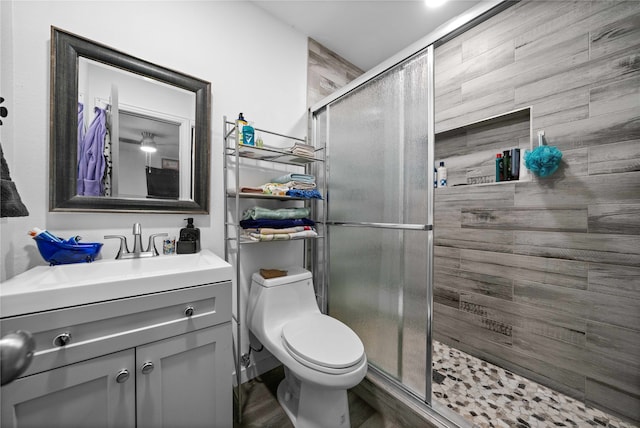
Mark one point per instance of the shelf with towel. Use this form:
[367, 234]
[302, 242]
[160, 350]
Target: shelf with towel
[270, 155]
[270, 173]
[244, 240]
[244, 195]
[267, 153]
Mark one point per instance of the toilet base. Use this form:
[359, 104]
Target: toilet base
[312, 406]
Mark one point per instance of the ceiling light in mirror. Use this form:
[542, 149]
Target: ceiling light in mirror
[147, 144]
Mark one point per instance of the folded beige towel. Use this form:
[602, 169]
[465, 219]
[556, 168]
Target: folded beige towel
[272, 273]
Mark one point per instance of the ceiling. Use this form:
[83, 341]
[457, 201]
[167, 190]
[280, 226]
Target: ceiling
[364, 32]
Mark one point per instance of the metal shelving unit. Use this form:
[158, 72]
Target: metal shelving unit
[234, 153]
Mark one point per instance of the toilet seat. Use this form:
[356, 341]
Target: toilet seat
[322, 343]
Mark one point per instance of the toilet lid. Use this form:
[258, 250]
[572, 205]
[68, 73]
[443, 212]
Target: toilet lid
[323, 340]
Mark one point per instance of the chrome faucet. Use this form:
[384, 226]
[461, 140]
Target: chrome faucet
[138, 251]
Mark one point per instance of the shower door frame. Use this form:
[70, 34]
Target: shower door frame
[451, 29]
[323, 292]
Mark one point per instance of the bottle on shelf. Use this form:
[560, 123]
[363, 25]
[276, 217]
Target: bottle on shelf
[442, 175]
[499, 168]
[248, 134]
[240, 123]
[515, 164]
[506, 157]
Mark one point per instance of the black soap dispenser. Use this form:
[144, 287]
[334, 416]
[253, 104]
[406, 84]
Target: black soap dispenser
[189, 241]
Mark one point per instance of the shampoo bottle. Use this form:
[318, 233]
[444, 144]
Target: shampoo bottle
[506, 159]
[499, 167]
[240, 123]
[248, 135]
[442, 175]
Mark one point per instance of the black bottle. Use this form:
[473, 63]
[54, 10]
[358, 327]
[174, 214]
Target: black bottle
[189, 241]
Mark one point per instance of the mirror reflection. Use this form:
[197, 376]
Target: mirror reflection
[137, 141]
[126, 134]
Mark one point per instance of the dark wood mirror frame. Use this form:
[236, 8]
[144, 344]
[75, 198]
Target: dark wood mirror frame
[66, 48]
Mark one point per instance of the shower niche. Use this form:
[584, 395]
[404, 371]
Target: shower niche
[469, 151]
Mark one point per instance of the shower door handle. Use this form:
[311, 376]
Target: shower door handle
[402, 226]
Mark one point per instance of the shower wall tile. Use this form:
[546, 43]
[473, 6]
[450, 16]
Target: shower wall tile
[611, 309]
[467, 325]
[568, 300]
[326, 72]
[449, 218]
[601, 394]
[446, 296]
[575, 163]
[493, 59]
[475, 196]
[478, 108]
[561, 354]
[618, 342]
[557, 272]
[574, 72]
[579, 191]
[487, 285]
[621, 281]
[568, 381]
[596, 130]
[488, 240]
[616, 373]
[616, 96]
[561, 108]
[569, 18]
[445, 326]
[548, 322]
[526, 218]
[615, 218]
[617, 157]
[523, 74]
[446, 257]
[615, 36]
[588, 247]
[566, 283]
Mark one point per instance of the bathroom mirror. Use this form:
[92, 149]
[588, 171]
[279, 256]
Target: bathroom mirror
[126, 135]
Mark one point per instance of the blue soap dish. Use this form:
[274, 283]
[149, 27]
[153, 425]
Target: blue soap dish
[60, 253]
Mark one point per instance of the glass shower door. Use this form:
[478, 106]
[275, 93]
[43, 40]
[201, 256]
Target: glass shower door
[378, 141]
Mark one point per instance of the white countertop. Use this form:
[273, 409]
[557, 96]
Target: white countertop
[46, 288]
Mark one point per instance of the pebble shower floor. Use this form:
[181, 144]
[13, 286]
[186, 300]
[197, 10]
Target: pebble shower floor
[489, 396]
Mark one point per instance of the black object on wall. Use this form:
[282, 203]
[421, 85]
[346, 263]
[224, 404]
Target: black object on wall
[10, 202]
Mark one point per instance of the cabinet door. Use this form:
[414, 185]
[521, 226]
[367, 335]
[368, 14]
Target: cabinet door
[185, 381]
[84, 394]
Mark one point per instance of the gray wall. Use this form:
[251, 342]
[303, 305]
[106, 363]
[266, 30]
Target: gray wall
[543, 276]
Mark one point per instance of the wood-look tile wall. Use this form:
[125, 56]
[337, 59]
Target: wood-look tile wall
[543, 276]
[326, 72]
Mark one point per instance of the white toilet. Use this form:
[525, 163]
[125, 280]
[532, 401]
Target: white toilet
[322, 356]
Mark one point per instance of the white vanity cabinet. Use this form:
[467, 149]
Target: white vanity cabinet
[161, 359]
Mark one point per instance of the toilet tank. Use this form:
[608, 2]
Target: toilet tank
[294, 274]
[277, 300]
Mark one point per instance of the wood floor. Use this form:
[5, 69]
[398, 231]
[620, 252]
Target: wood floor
[260, 406]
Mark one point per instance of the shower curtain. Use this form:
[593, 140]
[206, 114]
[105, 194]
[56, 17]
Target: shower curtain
[379, 143]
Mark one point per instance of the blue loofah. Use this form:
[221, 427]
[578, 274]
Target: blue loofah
[543, 160]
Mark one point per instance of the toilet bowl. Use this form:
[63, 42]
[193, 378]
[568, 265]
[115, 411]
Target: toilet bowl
[322, 356]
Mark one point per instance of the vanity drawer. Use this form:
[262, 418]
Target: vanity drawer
[100, 328]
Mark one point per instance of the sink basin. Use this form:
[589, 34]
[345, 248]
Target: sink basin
[51, 287]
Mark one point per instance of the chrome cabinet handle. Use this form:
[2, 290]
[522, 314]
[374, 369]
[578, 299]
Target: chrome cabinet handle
[122, 376]
[147, 367]
[189, 311]
[16, 352]
[62, 339]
